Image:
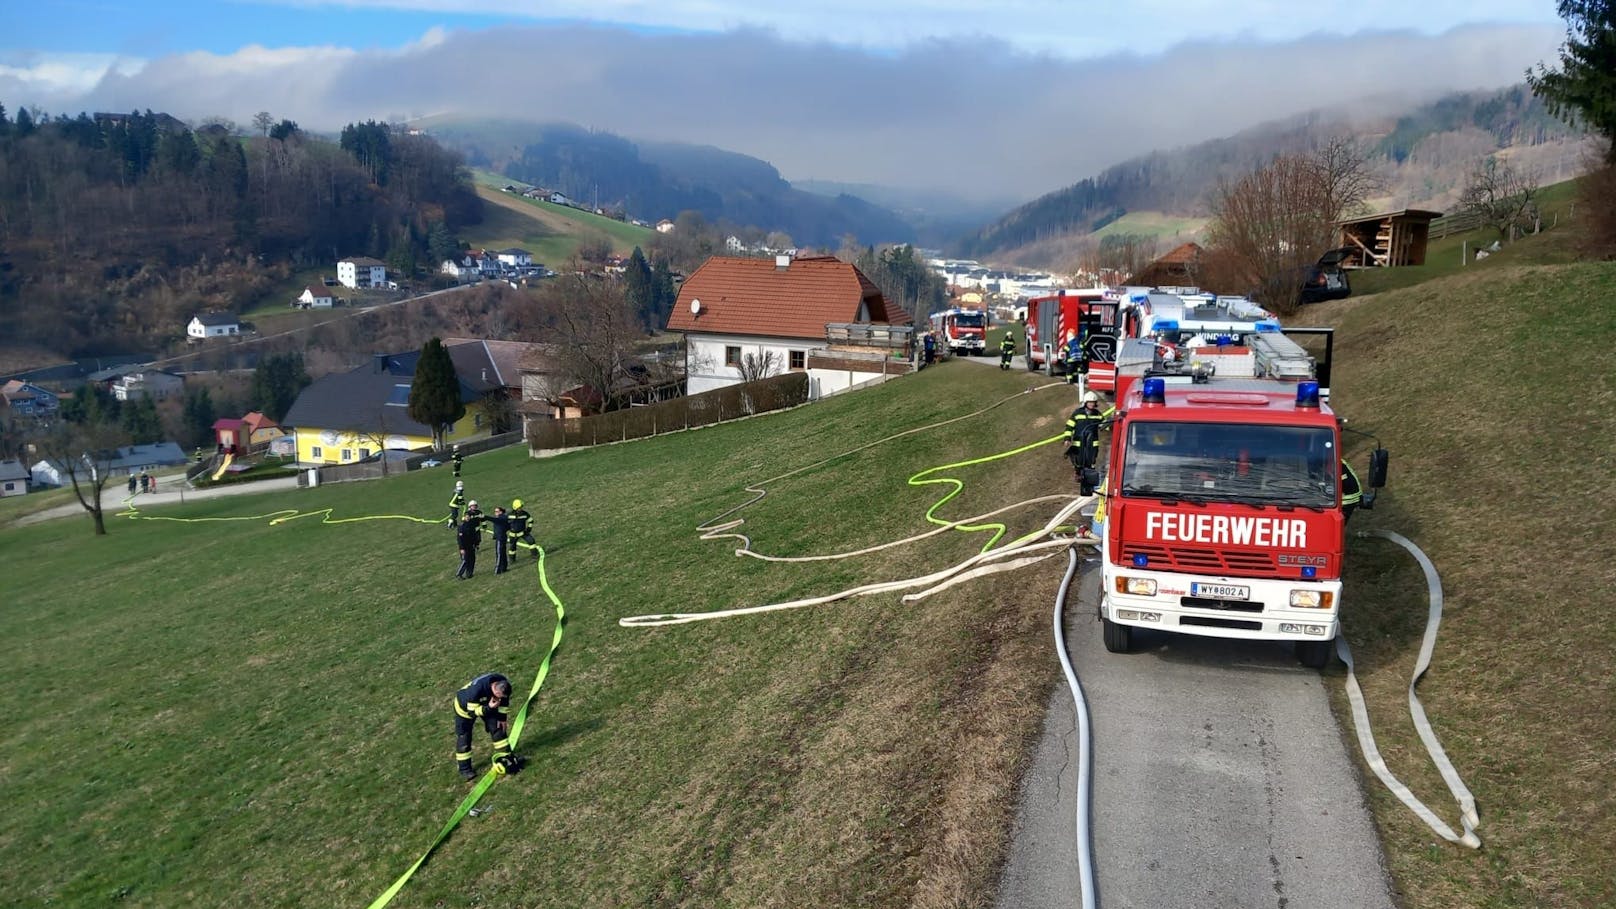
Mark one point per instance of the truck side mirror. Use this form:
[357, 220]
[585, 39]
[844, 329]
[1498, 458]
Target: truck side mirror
[1377, 467]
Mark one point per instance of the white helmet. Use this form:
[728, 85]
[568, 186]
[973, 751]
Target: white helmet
[459, 485]
[1090, 397]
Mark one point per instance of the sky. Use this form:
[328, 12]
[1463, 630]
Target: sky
[986, 100]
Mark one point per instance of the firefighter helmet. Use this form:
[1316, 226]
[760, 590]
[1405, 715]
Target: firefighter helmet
[472, 504]
[1090, 397]
[459, 485]
[516, 503]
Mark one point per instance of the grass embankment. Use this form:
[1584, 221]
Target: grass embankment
[552, 233]
[1496, 394]
[255, 715]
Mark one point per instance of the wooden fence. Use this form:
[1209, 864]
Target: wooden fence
[705, 409]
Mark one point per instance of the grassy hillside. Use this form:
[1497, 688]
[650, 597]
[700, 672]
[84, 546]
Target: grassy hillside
[237, 712]
[1495, 393]
[551, 232]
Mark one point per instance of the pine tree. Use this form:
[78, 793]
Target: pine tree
[1584, 87]
[435, 392]
[640, 287]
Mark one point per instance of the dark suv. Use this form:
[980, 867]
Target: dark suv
[1326, 279]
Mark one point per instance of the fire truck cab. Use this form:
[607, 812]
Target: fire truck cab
[1088, 317]
[963, 331]
[1223, 497]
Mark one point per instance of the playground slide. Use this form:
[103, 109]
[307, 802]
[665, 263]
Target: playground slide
[223, 466]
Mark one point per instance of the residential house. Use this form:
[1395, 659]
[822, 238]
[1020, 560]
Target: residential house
[515, 258]
[13, 479]
[558, 197]
[118, 462]
[777, 312]
[315, 298]
[733, 245]
[361, 272]
[664, 226]
[146, 383]
[213, 325]
[1178, 268]
[25, 399]
[348, 416]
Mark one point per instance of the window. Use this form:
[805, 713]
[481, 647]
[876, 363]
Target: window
[316, 453]
[732, 356]
[799, 359]
[364, 453]
[347, 454]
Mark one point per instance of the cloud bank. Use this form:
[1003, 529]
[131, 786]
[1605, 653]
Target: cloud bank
[977, 117]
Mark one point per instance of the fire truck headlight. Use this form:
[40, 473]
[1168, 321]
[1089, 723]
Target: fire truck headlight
[1312, 599]
[1139, 587]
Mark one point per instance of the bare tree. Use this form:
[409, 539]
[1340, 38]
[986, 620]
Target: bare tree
[597, 329]
[263, 121]
[86, 454]
[1505, 198]
[1275, 222]
[759, 365]
[1348, 181]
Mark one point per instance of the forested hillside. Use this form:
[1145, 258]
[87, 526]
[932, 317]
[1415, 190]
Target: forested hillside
[116, 228]
[655, 180]
[1421, 157]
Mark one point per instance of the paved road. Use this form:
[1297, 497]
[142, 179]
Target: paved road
[1220, 781]
[171, 490]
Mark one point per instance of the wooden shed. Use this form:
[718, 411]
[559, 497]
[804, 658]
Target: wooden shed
[1388, 239]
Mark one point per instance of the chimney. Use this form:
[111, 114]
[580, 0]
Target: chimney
[781, 263]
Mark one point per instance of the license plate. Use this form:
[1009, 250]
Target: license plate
[1220, 591]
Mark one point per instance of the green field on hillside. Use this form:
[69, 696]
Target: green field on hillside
[1169, 229]
[235, 712]
[551, 232]
[1495, 394]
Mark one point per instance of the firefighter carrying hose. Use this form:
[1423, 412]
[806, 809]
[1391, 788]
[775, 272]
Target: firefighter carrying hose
[456, 502]
[521, 530]
[1007, 349]
[1083, 437]
[487, 697]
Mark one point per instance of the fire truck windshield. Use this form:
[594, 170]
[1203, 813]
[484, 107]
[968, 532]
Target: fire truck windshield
[1224, 462]
[968, 320]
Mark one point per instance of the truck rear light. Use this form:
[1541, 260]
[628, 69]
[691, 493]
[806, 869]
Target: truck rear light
[1139, 587]
[1312, 599]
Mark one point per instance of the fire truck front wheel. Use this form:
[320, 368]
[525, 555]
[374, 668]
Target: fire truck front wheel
[1118, 638]
[1315, 654]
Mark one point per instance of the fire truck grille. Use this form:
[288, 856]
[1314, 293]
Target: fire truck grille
[1205, 561]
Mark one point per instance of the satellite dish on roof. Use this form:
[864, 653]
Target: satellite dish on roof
[695, 307]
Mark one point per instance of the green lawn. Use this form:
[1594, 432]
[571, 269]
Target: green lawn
[1170, 229]
[235, 712]
[551, 232]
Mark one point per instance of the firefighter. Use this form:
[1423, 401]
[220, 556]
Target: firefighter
[468, 536]
[456, 502]
[1083, 436]
[1076, 364]
[521, 527]
[455, 459]
[501, 522]
[1007, 349]
[930, 344]
[1351, 491]
[488, 697]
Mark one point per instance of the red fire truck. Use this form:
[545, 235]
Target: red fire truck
[963, 331]
[1089, 317]
[1223, 497]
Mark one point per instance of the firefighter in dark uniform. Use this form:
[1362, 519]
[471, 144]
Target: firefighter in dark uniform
[1083, 436]
[488, 697]
[456, 502]
[501, 523]
[1076, 364]
[1351, 491]
[1007, 349]
[456, 459]
[521, 527]
[468, 536]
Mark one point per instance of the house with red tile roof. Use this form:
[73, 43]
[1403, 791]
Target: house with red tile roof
[739, 314]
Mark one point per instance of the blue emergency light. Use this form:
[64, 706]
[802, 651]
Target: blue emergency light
[1154, 391]
[1308, 571]
[1165, 325]
[1267, 325]
[1140, 560]
[1223, 340]
[1307, 394]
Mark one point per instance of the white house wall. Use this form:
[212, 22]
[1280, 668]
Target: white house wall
[704, 357]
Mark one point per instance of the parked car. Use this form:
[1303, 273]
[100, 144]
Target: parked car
[1326, 279]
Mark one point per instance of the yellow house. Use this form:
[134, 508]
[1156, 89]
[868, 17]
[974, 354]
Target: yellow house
[349, 416]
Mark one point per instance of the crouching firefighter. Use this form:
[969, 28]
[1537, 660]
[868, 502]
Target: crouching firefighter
[487, 696]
